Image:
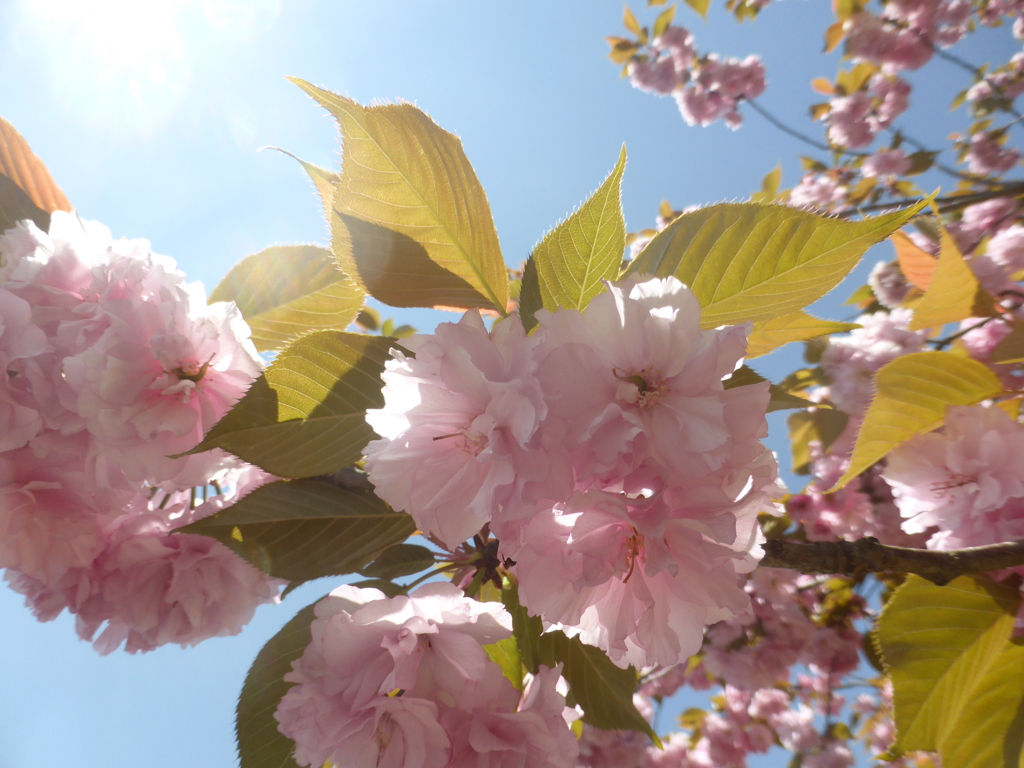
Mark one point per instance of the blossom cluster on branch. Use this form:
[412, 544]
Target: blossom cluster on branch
[112, 364]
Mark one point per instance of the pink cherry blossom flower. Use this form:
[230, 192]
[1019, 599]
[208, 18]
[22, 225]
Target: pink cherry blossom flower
[886, 163]
[459, 420]
[951, 480]
[986, 155]
[816, 191]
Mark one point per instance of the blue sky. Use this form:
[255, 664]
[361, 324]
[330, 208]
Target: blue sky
[150, 115]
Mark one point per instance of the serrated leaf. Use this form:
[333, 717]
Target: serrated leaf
[403, 173]
[399, 560]
[305, 529]
[288, 290]
[603, 690]
[916, 264]
[529, 296]
[260, 743]
[958, 678]
[819, 425]
[700, 6]
[1011, 348]
[581, 252]
[911, 396]
[16, 206]
[767, 335]
[322, 179]
[306, 415]
[952, 292]
[21, 165]
[753, 262]
[779, 399]
[505, 653]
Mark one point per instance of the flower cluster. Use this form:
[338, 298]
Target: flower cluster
[405, 682]
[706, 88]
[621, 477]
[113, 363]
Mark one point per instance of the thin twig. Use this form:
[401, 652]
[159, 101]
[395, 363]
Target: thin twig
[868, 555]
[796, 134]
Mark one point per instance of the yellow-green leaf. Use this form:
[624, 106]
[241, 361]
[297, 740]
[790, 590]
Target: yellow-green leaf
[399, 560]
[529, 296]
[700, 6]
[769, 186]
[289, 290]
[260, 743]
[505, 653]
[833, 36]
[820, 426]
[916, 264]
[778, 398]
[306, 415]
[663, 21]
[577, 255]
[1011, 348]
[951, 293]
[21, 165]
[911, 396]
[798, 326]
[629, 22]
[404, 174]
[750, 261]
[958, 678]
[305, 529]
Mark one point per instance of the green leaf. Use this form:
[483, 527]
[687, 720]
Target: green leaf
[958, 678]
[399, 560]
[505, 653]
[306, 415]
[798, 326]
[769, 186]
[819, 425]
[911, 396]
[529, 296]
[1011, 348]
[576, 256]
[260, 743]
[951, 293]
[403, 174]
[305, 529]
[750, 261]
[322, 179]
[17, 206]
[700, 6]
[289, 290]
[663, 21]
[22, 167]
[780, 399]
[603, 690]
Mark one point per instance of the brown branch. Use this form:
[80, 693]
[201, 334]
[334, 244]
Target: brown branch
[868, 555]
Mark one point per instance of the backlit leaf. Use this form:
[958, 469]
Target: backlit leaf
[260, 743]
[820, 425]
[700, 6]
[663, 21]
[833, 36]
[958, 678]
[601, 689]
[798, 326]
[529, 296]
[403, 174]
[916, 264]
[769, 186]
[399, 560]
[305, 529]
[289, 290]
[1011, 348]
[505, 653]
[306, 415]
[21, 165]
[911, 396]
[577, 255]
[952, 291]
[756, 262]
[779, 399]
[16, 206]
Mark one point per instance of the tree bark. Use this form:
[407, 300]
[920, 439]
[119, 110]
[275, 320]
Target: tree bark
[868, 555]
